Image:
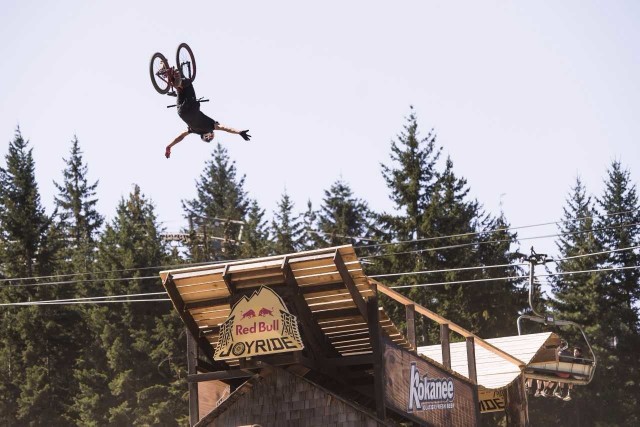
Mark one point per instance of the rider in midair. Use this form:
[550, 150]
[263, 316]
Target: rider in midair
[189, 111]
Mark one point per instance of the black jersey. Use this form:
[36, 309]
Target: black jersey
[189, 110]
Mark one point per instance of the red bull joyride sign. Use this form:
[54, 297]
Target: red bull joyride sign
[256, 326]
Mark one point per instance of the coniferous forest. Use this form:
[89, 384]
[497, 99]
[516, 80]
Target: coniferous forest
[82, 359]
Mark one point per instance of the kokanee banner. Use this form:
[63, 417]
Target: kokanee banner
[423, 390]
[258, 325]
[491, 400]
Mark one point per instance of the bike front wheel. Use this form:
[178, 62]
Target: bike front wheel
[186, 62]
[159, 71]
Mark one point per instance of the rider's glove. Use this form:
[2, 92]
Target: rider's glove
[167, 152]
[245, 135]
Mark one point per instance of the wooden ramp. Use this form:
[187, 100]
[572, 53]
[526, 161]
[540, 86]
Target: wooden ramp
[325, 289]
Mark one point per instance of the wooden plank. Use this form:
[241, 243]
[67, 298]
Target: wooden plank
[332, 297]
[202, 286]
[356, 353]
[353, 346]
[185, 274]
[336, 314]
[321, 288]
[257, 282]
[209, 321]
[329, 267]
[210, 311]
[320, 278]
[303, 262]
[344, 329]
[198, 280]
[264, 273]
[342, 321]
[208, 305]
[332, 305]
[199, 296]
[254, 267]
[343, 333]
[357, 337]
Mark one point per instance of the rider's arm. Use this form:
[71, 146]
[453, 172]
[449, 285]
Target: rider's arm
[218, 126]
[243, 133]
[179, 138]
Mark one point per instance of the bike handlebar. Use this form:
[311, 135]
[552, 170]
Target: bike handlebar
[198, 100]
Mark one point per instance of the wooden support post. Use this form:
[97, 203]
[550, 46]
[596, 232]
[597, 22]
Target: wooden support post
[192, 360]
[446, 347]
[517, 410]
[473, 374]
[373, 322]
[411, 325]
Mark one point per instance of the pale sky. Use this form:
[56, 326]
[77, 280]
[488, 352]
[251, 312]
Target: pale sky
[524, 96]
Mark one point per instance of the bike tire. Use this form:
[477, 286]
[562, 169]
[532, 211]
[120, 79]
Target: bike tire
[160, 84]
[186, 61]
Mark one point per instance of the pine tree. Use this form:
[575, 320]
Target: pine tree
[286, 227]
[440, 228]
[343, 218]
[23, 219]
[410, 177]
[218, 212]
[310, 238]
[121, 381]
[448, 213]
[617, 340]
[255, 234]
[79, 220]
[576, 296]
[32, 359]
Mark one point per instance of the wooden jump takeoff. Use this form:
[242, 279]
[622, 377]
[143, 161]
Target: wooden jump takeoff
[301, 340]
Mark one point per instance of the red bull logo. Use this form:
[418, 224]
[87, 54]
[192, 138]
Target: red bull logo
[249, 314]
[265, 312]
[258, 325]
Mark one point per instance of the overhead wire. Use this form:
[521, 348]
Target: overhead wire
[454, 282]
[116, 298]
[461, 245]
[92, 273]
[5, 280]
[488, 231]
[98, 299]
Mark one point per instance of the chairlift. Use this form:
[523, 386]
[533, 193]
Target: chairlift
[548, 364]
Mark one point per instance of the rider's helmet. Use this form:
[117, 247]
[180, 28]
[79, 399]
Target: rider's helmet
[207, 137]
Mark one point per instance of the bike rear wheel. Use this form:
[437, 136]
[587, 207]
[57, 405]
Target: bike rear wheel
[159, 70]
[186, 62]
